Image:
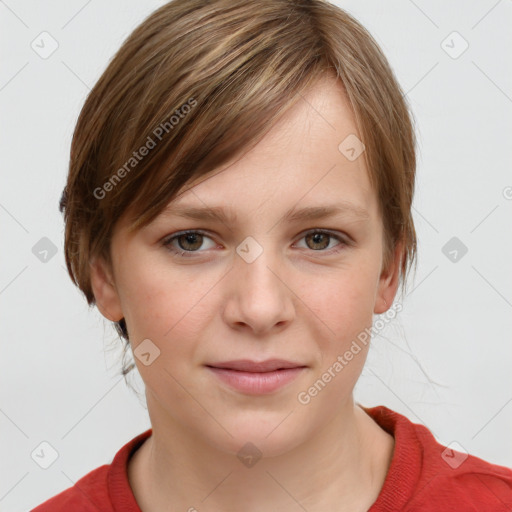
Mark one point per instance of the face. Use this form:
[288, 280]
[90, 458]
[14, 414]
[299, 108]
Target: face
[256, 282]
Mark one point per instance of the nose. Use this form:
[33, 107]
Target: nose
[259, 298]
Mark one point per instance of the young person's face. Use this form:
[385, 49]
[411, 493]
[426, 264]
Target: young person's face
[257, 286]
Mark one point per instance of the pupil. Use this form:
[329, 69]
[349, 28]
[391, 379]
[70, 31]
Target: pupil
[317, 237]
[191, 239]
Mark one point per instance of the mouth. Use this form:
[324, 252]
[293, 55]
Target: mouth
[246, 365]
[256, 378]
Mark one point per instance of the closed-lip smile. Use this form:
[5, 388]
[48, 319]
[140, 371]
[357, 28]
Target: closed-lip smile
[246, 365]
[256, 377]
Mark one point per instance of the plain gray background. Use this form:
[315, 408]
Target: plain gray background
[60, 384]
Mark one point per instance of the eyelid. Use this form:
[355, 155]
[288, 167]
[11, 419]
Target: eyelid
[342, 238]
[167, 241]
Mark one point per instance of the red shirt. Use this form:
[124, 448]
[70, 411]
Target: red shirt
[423, 476]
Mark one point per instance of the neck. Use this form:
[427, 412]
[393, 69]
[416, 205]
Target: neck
[342, 467]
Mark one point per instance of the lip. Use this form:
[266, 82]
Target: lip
[246, 365]
[257, 378]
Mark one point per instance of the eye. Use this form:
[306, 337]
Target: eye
[187, 241]
[317, 240]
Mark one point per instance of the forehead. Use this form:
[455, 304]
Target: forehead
[297, 169]
[303, 159]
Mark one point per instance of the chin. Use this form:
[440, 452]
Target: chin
[264, 438]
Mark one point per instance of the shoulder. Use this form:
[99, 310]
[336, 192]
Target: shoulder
[475, 485]
[89, 494]
[451, 475]
[105, 488]
[426, 475]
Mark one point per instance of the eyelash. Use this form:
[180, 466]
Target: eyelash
[190, 254]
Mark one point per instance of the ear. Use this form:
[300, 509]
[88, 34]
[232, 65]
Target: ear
[104, 289]
[388, 282]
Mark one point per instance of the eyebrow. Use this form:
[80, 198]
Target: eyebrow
[226, 215]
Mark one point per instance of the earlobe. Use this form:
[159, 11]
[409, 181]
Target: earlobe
[388, 282]
[104, 289]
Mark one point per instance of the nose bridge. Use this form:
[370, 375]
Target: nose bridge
[261, 298]
[254, 263]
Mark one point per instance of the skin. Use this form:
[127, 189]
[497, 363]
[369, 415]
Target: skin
[298, 300]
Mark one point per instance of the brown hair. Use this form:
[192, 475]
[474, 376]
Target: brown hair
[200, 81]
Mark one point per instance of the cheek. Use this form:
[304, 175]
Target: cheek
[345, 305]
[344, 301]
[170, 308]
[166, 310]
